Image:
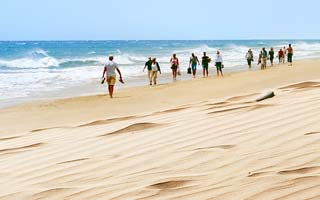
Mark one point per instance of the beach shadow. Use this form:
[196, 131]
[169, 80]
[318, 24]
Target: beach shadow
[216, 147]
[172, 110]
[133, 128]
[312, 133]
[9, 138]
[50, 193]
[242, 97]
[72, 161]
[20, 149]
[302, 85]
[303, 170]
[247, 108]
[259, 174]
[108, 121]
[170, 184]
[45, 129]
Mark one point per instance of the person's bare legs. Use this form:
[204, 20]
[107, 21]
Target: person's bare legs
[174, 74]
[154, 77]
[110, 88]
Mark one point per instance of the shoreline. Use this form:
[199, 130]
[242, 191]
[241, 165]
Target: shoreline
[95, 88]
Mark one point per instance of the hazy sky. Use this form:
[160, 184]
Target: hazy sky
[158, 19]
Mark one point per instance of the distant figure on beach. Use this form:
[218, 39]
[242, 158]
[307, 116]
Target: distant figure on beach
[280, 56]
[110, 70]
[290, 54]
[260, 58]
[271, 56]
[284, 54]
[218, 63]
[249, 57]
[148, 66]
[174, 61]
[264, 55]
[194, 61]
[155, 68]
[205, 64]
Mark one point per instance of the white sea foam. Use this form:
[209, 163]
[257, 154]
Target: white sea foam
[30, 63]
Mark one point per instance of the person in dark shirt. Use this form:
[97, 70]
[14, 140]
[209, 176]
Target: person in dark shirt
[271, 56]
[205, 64]
[149, 67]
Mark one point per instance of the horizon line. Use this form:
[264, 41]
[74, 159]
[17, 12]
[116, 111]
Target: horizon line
[68, 40]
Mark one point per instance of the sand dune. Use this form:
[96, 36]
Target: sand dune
[209, 148]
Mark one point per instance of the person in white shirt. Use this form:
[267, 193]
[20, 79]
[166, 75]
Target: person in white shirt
[284, 54]
[155, 68]
[110, 70]
[219, 64]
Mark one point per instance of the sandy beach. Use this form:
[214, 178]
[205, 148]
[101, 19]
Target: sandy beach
[195, 139]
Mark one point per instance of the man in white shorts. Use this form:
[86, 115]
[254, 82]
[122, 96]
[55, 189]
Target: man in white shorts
[110, 70]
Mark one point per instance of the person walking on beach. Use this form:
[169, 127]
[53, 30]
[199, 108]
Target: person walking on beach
[260, 58]
[290, 54]
[194, 61]
[155, 68]
[280, 56]
[110, 70]
[148, 66]
[271, 56]
[205, 64]
[218, 63]
[264, 55]
[284, 54]
[249, 57]
[174, 61]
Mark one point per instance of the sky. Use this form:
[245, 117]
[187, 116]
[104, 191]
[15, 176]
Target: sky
[158, 19]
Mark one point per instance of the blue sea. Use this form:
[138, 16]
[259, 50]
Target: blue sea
[31, 68]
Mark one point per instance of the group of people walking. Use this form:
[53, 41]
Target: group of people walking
[205, 60]
[264, 56]
[153, 66]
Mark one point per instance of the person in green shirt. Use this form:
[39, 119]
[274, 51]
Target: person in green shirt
[205, 64]
[148, 65]
[264, 55]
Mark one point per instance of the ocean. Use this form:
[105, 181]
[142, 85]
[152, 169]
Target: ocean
[37, 69]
